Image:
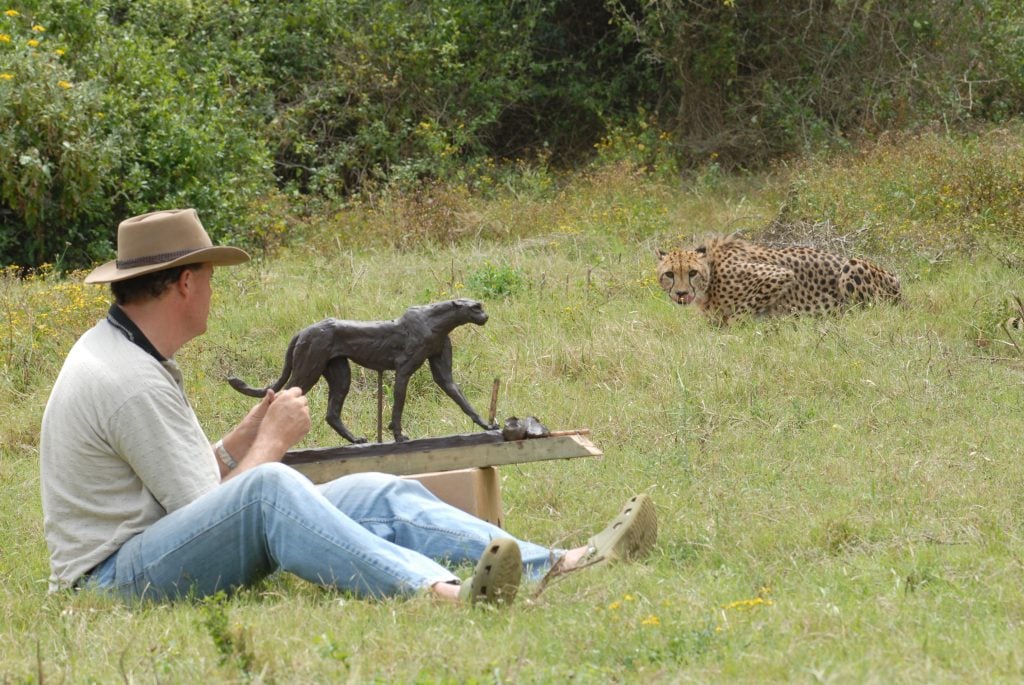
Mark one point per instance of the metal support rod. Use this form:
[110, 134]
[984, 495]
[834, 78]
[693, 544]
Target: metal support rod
[380, 406]
[494, 401]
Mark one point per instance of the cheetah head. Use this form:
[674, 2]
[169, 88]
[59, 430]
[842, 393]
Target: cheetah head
[683, 274]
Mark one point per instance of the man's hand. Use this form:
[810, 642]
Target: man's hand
[286, 415]
[260, 410]
[251, 423]
[277, 422]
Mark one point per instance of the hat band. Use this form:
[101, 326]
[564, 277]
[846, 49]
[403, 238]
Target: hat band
[154, 259]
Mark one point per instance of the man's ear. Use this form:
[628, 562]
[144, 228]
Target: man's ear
[185, 282]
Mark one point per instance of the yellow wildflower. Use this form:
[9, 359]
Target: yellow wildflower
[748, 603]
[38, 28]
[33, 43]
[64, 84]
[59, 52]
[6, 77]
[12, 13]
[4, 38]
[651, 620]
[614, 605]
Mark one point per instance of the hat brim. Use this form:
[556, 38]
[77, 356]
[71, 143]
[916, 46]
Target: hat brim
[218, 256]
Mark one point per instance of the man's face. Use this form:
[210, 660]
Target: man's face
[201, 294]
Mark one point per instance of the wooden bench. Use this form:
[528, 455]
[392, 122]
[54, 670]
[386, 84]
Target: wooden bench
[459, 469]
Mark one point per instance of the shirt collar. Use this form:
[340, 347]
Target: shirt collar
[119, 320]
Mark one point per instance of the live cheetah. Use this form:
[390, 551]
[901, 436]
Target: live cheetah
[730, 277]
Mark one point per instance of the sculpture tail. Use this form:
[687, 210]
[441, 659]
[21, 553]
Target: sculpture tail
[246, 389]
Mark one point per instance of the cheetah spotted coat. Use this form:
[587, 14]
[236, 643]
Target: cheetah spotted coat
[730, 277]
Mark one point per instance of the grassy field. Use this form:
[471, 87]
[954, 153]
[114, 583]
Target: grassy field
[840, 499]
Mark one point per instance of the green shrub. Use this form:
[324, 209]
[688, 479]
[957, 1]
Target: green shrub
[183, 137]
[495, 280]
[753, 81]
[57, 162]
[370, 91]
[104, 122]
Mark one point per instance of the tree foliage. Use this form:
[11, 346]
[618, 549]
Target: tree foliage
[102, 118]
[116, 107]
[754, 79]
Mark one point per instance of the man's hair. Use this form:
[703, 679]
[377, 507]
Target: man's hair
[148, 286]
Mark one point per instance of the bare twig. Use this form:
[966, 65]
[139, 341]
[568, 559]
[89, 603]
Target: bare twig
[1006, 324]
[1009, 336]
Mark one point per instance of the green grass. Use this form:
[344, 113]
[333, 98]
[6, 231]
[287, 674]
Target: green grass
[840, 499]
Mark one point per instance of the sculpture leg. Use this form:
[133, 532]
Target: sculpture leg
[339, 378]
[440, 369]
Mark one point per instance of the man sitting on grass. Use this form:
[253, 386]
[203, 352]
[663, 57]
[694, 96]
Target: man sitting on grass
[137, 502]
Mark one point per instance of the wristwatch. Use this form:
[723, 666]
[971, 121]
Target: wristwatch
[222, 453]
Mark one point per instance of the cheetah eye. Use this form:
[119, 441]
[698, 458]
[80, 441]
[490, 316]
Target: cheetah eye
[693, 272]
[669, 275]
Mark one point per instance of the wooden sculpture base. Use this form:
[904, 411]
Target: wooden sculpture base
[459, 469]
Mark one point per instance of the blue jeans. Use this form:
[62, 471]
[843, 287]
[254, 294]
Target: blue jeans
[371, 534]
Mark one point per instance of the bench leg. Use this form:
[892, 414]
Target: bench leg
[475, 490]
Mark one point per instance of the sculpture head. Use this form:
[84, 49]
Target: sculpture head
[456, 312]
[472, 310]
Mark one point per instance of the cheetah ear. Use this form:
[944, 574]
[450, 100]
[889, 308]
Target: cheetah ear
[660, 254]
[703, 249]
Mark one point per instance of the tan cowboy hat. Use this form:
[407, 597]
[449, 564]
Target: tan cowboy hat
[161, 240]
